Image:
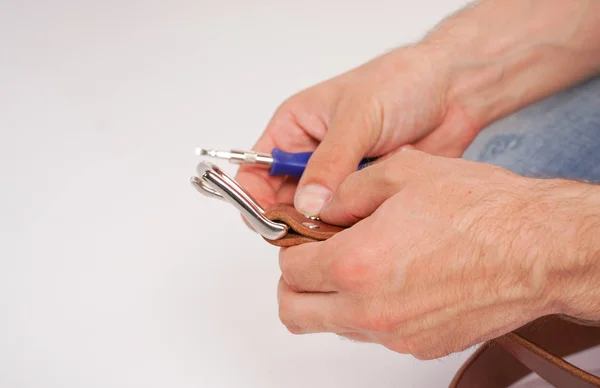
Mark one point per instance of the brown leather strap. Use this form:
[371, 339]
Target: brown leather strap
[537, 347]
[302, 229]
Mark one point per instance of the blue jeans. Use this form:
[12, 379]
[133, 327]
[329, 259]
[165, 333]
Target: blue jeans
[558, 137]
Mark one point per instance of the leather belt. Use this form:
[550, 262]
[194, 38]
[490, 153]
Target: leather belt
[302, 229]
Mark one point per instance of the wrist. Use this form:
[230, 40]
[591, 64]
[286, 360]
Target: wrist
[501, 55]
[571, 260]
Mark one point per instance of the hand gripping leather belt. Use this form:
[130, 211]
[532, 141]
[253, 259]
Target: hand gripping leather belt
[537, 347]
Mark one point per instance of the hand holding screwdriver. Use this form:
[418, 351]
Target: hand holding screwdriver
[373, 110]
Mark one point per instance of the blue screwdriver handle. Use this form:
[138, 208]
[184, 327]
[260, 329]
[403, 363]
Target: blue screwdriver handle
[293, 164]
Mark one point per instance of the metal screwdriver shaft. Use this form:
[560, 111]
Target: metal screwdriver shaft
[238, 156]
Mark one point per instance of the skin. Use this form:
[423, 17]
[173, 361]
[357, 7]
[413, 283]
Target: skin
[434, 262]
[441, 253]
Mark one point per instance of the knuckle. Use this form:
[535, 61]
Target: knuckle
[345, 190]
[351, 274]
[287, 317]
[401, 171]
[284, 262]
[294, 319]
[291, 324]
[287, 269]
[284, 312]
[388, 175]
[293, 328]
[283, 259]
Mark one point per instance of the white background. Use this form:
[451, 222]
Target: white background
[114, 272]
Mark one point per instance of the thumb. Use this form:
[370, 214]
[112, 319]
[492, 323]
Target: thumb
[351, 134]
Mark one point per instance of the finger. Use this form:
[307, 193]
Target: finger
[286, 191]
[285, 194]
[281, 133]
[365, 190]
[256, 180]
[388, 155]
[304, 313]
[451, 138]
[306, 268]
[352, 132]
[335, 265]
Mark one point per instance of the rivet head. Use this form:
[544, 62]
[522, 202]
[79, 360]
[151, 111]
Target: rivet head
[310, 225]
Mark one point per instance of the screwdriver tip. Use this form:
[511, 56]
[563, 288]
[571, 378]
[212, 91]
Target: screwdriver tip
[201, 151]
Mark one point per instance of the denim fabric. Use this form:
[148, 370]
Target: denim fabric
[558, 137]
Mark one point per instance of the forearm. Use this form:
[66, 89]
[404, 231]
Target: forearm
[501, 55]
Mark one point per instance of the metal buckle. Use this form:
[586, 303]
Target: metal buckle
[214, 183]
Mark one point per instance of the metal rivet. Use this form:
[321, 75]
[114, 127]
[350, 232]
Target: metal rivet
[310, 225]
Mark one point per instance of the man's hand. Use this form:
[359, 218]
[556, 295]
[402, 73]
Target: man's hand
[443, 254]
[394, 100]
[482, 63]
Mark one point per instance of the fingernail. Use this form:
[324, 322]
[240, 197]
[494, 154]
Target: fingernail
[311, 199]
[407, 147]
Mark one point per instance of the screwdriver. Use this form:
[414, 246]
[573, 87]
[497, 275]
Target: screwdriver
[279, 162]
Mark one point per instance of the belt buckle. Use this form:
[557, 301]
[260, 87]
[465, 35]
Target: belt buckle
[213, 182]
